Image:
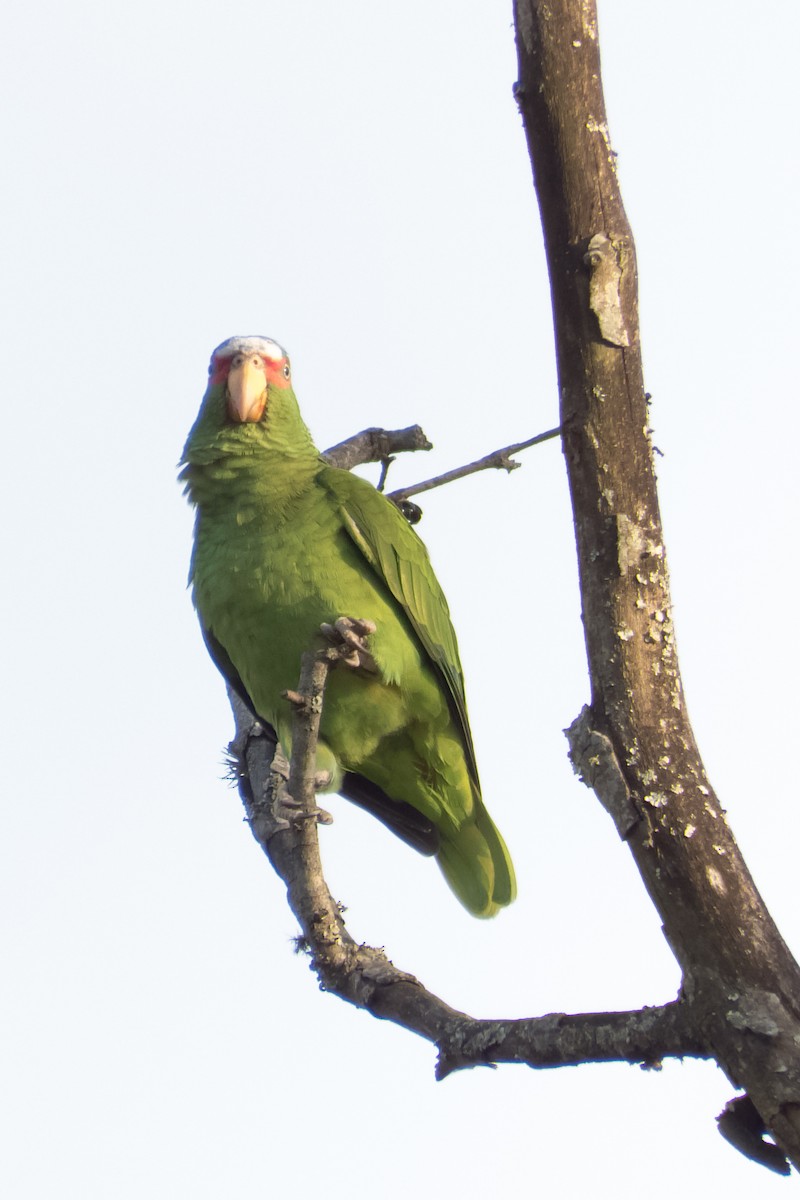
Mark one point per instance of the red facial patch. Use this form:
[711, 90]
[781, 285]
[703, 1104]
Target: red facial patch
[275, 369]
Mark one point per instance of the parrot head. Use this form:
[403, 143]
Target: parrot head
[247, 367]
[249, 408]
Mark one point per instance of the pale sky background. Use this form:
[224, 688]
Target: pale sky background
[351, 179]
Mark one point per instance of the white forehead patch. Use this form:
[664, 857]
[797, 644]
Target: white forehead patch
[250, 345]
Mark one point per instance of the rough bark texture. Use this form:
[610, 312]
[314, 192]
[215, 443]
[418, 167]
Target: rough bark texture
[376, 445]
[364, 975]
[739, 979]
[740, 995]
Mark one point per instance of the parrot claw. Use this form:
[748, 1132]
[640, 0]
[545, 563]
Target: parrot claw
[287, 811]
[280, 763]
[348, 637]
[281, 800]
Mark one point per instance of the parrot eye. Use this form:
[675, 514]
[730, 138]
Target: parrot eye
[286, 370]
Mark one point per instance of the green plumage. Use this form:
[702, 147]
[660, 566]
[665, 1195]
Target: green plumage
[283, 543]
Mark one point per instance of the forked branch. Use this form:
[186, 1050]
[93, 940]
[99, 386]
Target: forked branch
[498, 460]
[634, 743]
[375, 445]
[740, 999]
[364, 975]
[381, 445]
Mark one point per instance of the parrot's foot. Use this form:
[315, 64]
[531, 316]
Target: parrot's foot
[280, 763]
[348, 637]
[285, 809]
[288, 811]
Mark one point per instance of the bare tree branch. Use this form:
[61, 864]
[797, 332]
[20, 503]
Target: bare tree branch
[381, 445]
[740, 996]
[375, 445]
[498, 460]
[363, 975]
[741, 1124]
[743, 983]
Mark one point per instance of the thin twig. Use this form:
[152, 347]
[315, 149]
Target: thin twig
[498, 460]
[385, 464]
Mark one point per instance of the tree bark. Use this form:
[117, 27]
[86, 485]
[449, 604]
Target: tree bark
[635, 743]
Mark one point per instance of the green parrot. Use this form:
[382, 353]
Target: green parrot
[284, 544]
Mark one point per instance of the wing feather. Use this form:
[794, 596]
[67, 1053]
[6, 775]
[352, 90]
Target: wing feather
[399, 558]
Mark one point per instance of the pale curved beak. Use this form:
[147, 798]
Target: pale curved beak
[247, 392]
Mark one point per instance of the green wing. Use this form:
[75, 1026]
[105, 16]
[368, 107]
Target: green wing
[399, 558]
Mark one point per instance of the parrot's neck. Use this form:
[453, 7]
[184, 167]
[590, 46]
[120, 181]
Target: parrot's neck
[245, 470]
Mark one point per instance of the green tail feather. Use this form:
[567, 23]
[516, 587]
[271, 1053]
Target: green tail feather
[477, 866]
